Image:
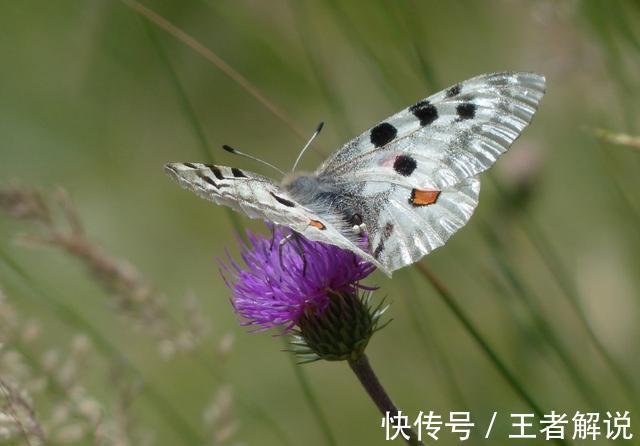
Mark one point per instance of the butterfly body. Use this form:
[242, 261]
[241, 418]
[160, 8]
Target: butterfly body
[323, 196]
[407, 184]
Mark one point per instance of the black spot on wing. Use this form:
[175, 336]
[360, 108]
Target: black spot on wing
[453, 91]
[404, 165]
[466, 110]
[425, 112]
[191, 165]
[237, 173]
[388, 230]
[383, 134]
[283, 201]
[378, 249]
[208, 180]
[216, 171]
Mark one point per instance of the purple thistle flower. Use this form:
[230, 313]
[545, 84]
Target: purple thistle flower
[275, 287]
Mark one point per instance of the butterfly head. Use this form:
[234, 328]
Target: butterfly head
[306, 188]
[300, 183]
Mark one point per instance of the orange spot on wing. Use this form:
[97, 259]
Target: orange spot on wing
[317, 224]
[423, 197]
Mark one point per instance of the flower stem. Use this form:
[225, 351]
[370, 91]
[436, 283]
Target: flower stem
[362, 368]
[312, 400]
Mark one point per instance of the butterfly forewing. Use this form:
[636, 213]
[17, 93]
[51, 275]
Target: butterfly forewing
[452, 135]
[258, 197]
[241, 190]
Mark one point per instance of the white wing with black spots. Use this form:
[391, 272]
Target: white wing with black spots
[407, 184]
[438, 142]
[258, 197]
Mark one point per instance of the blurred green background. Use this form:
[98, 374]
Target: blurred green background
[95, 98]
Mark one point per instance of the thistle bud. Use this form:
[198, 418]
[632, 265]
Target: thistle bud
[340, 332]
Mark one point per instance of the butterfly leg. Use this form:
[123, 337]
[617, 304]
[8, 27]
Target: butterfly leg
[283, 242]
[358, 226]
[298, 239]
[299, 248]
[273, 237]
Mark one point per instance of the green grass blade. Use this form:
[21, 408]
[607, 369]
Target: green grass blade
[484, 345]
[190, 114]
[407, 20]
[545, 329]
[557, 269]
[311, 398]
[378, 67]
[562, 277]
[336, 105]
[418, 315]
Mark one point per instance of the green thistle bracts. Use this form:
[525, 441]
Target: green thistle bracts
[340, 332]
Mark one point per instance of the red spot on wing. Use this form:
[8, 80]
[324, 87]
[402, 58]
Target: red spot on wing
[317, 224]
[388, 160]
[423, 197]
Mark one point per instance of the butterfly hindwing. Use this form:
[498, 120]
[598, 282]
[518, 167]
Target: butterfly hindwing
[411, 223]
[439, 141]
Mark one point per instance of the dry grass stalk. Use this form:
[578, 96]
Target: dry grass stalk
[620, 139]
[215, 60]
[75, 416]
[17, 417]
[133, 296]
[219, 420]
[68, 414]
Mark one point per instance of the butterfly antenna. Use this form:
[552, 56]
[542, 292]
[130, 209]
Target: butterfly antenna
[237, 152]
[307, 145]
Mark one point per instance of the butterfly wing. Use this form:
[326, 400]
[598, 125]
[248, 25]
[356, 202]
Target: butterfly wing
[413, 174]
[445, 138]
[417, 170]
[258, 197]
[408, 225]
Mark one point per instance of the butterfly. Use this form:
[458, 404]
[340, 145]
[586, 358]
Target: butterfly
[403, 187]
